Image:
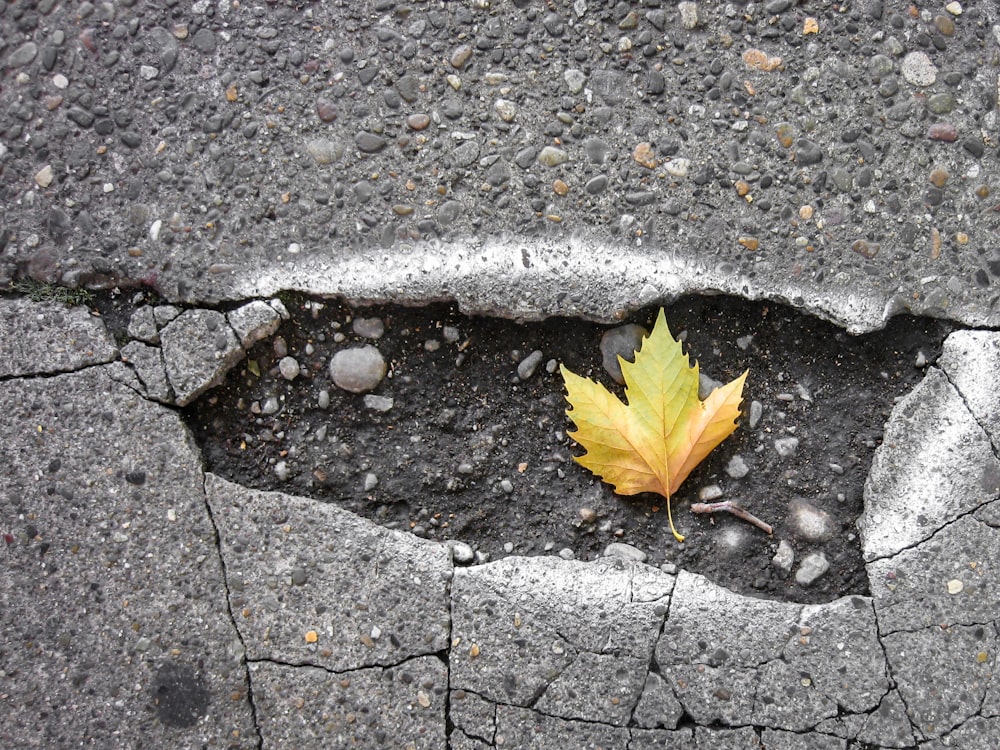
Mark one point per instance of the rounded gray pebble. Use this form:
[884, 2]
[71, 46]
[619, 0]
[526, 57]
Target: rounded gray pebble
[624, 551]
[359, 369]
[289, 368]
[737, 467]
[378, 403]
[623, 341]
[811, 568]
[529, 365]
[786, 446]
[369, 328]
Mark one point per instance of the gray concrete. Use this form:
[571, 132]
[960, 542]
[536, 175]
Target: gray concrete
[523, 159]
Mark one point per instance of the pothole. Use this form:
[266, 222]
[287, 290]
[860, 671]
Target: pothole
[466, 450]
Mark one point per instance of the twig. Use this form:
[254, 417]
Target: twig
[730, 507]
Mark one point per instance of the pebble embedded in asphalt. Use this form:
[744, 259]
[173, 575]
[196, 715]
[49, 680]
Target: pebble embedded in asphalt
[623, 341]
[358, 369]
[812, 567]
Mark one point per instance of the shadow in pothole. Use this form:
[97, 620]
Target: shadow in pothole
[470, 452]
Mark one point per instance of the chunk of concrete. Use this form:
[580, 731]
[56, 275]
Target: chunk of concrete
[199, 348]
[473, 715]
[737, 661]
[112, 588]
[254, 322]
[942, 673]
[935, 464]
[524, 626]
[658, 707]
[971, 359]
[522, 727]
[47, 337]
[310, 583]
[142, 325]
[837, 647]
[147, 362]
[375, 707]
[888, 725]
[953, 577]
[978, 731]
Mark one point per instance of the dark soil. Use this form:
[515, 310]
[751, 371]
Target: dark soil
[470, 452]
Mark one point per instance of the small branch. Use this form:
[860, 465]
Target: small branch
[730, 507]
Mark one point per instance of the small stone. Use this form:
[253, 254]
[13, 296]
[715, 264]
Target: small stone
[623, 551]
[369, 328]
[369, 143]
[460, 56]
[710, 493]
[944, 25]
[326, 110]
[550, 156]
[786, 446]
[760, 60]
[22, 55]
[358, 369]
[324, 151]
[323, 399]
[575, 80]
[678, 167]
[371, 482]
[643, 154]
[289, 368]
[809, 522]
[807, 152]
[204, 40]
[737, 467]
[281, 471]
[943, 131]
[596, 185]
[311, 636]
[955, 586]
[812, 567]
[689, 14]
[938, 178]
[560, 188]
[954, 7]
[506, 110]
[941, 104]
[588, 515]
[529, 365]
[756, 412]
[810, 26]
[918, 69]
[784, 557]
[418, 121]
[378, 403]
[44, 176]
[454, 81]
[622, 341]
[750, 243]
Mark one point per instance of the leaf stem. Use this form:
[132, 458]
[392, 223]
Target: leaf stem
[679, 537]
[730, 507]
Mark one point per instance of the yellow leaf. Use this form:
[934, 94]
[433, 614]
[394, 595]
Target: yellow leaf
[654, 441]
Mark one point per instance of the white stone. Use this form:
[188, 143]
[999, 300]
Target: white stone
[918, 69]
[812, 567]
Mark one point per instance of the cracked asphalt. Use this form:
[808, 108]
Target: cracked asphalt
[523, 159]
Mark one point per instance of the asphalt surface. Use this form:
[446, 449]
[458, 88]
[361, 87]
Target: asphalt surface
[524, 159]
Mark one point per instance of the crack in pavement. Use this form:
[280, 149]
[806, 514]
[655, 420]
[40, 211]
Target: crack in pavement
[232, 618]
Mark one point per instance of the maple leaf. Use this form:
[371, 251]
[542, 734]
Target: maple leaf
[657, 439]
